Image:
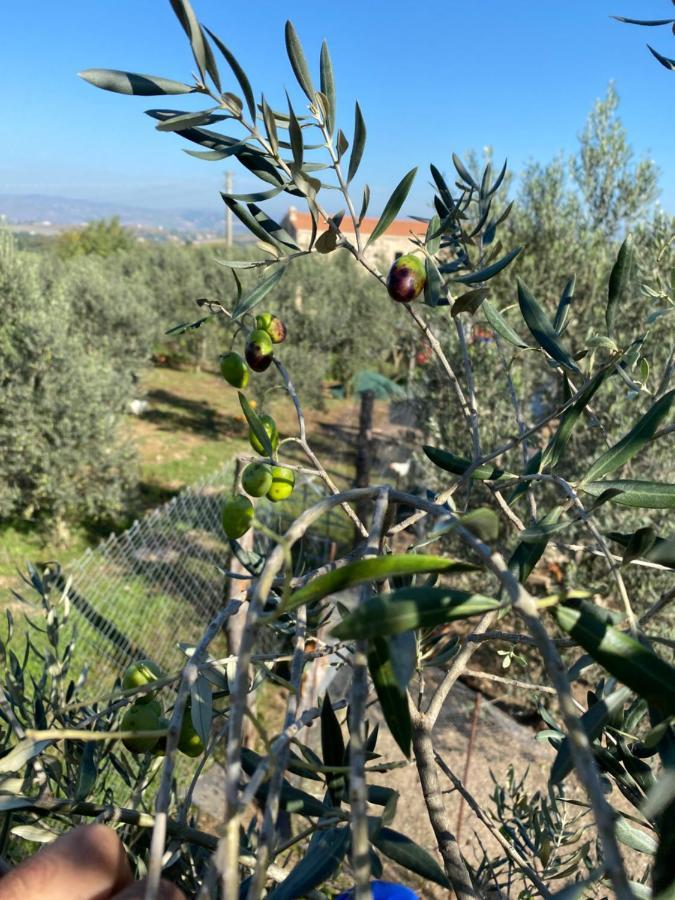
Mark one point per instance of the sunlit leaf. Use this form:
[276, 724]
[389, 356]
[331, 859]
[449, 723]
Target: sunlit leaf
[640, 435]
[328, 85]
[201, 707]
[635, 494]
[365, 570]
[551, 454]
[412, 608]
[394, 204]
[239, 73]
[501, 326]
[298, 61]
[621, 655]
[261, 290]
[132, 83]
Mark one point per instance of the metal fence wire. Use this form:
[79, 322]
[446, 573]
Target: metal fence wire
[138, 593]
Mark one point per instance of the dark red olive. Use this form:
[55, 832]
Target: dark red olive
[406, 278]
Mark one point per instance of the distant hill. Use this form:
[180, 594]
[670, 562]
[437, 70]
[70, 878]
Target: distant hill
[60, 212]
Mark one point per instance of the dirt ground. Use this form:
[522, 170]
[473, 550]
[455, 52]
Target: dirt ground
[499, 742]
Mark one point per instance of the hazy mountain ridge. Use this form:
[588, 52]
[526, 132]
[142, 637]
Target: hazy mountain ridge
[25, 209]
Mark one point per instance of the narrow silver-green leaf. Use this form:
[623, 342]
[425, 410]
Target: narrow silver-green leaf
[365, 570]
[358, 143]
[432, 240]
[621, 655]
[526, 556]
[270, 127]
[298, 61]
[295, 134]
[239, 73]
[412, 608]
[551, 454]
[188, 120]
[501, 326]
[393, 206]
[261, 290]
[134, 83]
[542, 329]
[640, 435]
[188, 20]
[635, 494]
[469, 302]
[619, 280]
[20, 754]
[634, 837]
[201, 707]
[328, 85]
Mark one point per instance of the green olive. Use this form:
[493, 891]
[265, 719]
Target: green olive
[237, 516]
[256, 479]
[140, 717]
[283, 482]
[233, 369]
[139, 673]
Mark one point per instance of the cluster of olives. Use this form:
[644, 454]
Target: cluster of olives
[406, 278]
[258, 479]
[146, 714]
[259, 351]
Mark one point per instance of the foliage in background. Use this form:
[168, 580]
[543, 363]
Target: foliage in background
[505, 494]
[63, 396]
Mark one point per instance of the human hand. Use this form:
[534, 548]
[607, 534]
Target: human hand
[88, 863]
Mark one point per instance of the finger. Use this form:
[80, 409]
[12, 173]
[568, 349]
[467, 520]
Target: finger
[136, 891]
[88, 863]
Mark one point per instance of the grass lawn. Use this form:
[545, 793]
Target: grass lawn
[194, 425]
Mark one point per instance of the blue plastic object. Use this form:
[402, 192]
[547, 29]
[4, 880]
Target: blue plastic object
[385, 890]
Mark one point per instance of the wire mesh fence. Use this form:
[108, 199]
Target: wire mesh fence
[138, 593]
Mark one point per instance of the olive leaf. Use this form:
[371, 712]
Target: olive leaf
[542, 329]
[394, 204]
[133, 83]
[393, 700]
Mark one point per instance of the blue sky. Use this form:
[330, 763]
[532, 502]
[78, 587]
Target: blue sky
[431, 77]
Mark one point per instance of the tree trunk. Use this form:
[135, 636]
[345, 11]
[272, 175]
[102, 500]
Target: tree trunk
[364, 450]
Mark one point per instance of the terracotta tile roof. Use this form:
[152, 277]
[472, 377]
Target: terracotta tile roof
[302, 221]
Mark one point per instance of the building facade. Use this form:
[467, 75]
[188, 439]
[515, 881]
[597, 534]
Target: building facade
[394, 241]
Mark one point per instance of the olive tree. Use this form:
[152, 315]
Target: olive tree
[473, 565]
[62, 400]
